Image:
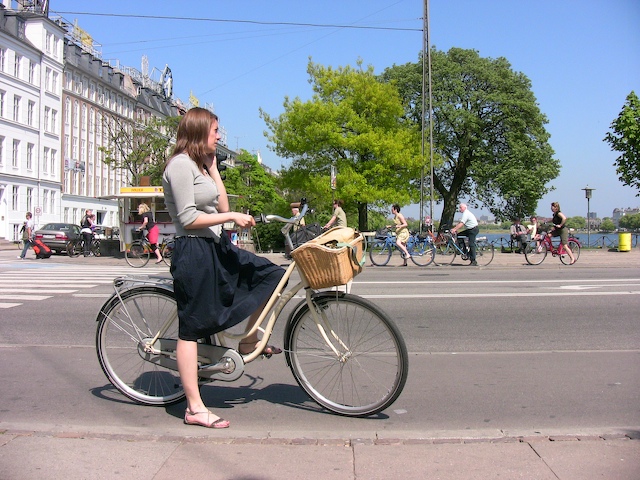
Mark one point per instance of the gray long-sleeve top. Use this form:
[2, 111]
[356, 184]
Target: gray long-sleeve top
[187, 194]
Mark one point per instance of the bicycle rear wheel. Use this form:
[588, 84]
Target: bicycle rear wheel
[484, 253]
[95, 247]
[422, 253]
[74, 248]
[535, 252]
[137, 255]
[445, 254]
[380, 253]
[122, 329]
[370, 369]
[575, 249]
[167, 252]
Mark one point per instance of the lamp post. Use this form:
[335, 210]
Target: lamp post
[587, 194]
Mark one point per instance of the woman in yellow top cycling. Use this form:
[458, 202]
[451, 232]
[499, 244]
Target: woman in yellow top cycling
[402, 231]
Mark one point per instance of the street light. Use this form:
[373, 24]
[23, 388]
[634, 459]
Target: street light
[587, 194]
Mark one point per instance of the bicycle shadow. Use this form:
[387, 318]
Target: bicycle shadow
[225, 396]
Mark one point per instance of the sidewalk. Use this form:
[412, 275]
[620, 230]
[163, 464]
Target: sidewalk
[211, 454]
[67, 452]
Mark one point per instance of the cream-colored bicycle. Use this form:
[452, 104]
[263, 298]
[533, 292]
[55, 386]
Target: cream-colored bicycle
[343, 350]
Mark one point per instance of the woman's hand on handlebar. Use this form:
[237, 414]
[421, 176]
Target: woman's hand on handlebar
[243, 220]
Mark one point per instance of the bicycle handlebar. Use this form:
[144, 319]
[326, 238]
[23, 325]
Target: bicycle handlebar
[290, 222]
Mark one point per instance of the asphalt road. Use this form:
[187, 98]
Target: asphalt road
[517, 351]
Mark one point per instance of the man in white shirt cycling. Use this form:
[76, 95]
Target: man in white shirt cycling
[468, 227]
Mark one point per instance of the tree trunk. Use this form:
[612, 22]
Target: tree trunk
[363, 217]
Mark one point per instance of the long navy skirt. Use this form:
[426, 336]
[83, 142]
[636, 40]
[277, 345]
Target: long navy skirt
[218, 285]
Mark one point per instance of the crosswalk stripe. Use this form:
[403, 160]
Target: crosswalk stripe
[40, 290]
[24, 297]
[9, 305]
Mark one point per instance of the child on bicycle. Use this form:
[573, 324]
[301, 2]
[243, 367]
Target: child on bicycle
[402, 232]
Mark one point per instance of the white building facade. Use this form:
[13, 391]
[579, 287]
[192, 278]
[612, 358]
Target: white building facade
[31, 68]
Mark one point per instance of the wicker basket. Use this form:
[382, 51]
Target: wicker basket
[327, 262]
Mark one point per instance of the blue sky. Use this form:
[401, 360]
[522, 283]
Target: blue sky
[582, 56]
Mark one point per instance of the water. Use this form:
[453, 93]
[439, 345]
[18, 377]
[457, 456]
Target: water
[602, 240]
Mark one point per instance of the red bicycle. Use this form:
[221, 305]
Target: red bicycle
[536, 250]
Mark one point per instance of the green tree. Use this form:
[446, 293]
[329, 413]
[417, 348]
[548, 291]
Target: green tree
[254, 189]
[607, 225]
[577, 223]
[624, 138]
[487, 129]
[353, 122]
[630, 222]
[141, 148]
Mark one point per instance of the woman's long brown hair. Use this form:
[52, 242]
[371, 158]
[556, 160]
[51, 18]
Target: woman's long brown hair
[193, 135]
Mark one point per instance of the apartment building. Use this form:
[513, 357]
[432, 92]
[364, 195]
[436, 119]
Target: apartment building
[59, 104]
[31, 68]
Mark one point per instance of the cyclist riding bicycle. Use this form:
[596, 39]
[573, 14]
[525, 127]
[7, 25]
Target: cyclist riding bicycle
[469, 224]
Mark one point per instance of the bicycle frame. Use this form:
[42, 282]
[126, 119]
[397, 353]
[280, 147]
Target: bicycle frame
[270, 313]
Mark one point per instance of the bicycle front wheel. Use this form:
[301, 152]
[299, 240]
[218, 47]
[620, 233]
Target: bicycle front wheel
[137, 255]
[423, 253]
[369, 370]
[535, 252]
[380, 253]
[123, 327]
[484, 253]
[575, 249]
[95, 248]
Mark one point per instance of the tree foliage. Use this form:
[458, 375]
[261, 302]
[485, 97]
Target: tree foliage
[254, 189]
[630, 222]
[487, 129]
[141, 148]
[607, 225]
[353, 122]
[577, 222]
[624, 138]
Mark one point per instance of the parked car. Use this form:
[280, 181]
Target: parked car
[58, 235]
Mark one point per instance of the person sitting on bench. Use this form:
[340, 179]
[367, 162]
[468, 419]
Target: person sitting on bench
[519, 234]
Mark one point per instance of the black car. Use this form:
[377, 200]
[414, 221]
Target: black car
[58, 235]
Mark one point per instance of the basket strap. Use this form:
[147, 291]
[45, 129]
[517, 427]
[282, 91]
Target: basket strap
[360, 262]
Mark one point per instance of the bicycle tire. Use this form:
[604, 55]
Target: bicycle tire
[122, 326]
[95, 248]
[535, 252]
[380, 253]
[74, 248]
[167, 252]
[423, 253]
[575, 249]
[137, 254]
[445, 254]
[485, 252]
[371, 370]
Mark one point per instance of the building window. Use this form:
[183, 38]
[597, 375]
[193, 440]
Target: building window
[45, 201]
[30, 108]
[49, 43]
[30, 156]
[76, 114]
[2, 95]
[15, 155]
[54, 121]
[54, 154]
[54, 82]
[1, 150]
[45, 159]
[29, 198]
[74, 148]
[3, 55]
[52, 202]
[47, 111]
[56, 47]
[16, 66]
[32, 72]
[16, 108]
[67, 111]
[47, 79]
[15, 198]
[84, 116]
[67, 80]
